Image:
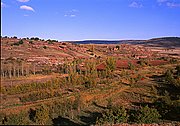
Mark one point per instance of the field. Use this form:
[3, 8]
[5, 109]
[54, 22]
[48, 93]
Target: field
[62, 83]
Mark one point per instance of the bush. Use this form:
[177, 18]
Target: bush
[170, 79]
[18, 43]
[42, 115]
[31, 42]
[178, 70]
[17, 119]
[110, 64]
[169, 76]
[131, 66]
[109, 104]
[143, 62]
[24, 88]
[45, 47]
[147, 115]
[78, 103]
[114, 115]
[40, 95]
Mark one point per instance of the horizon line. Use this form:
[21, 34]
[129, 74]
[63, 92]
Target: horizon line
[128, 39]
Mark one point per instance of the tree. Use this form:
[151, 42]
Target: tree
[14, 69]
[114, 115]
[31, 42]
[42, 115]
[10, 70]
[118, 47]
[78, 103]
[22, 68]
[110, 63]
[34, 68]
[131, 66]
[36, 38]
[73, 75]
[147, 115]
[45, 47]
[16, 119]
[20, 42]
[178, 70]
[90, 74]
[169, 78]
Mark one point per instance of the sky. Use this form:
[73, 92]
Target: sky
[90, 19]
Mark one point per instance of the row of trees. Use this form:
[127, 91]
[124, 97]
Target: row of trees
[16, 68]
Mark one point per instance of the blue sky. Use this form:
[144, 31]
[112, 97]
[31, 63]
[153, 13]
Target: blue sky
[90, 19]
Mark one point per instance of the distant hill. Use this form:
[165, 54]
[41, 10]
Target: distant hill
[160, 42]
[164, 42]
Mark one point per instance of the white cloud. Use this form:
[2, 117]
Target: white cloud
[168, 3]
[3, 5]
[173, 4]
[135, 5]
[23, 1]
[71, 13]
[24, 7]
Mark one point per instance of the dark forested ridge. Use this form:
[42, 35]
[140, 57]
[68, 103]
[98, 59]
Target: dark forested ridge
[164, 42]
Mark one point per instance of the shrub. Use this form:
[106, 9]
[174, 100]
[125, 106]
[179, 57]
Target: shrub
[45, 47]
[31, 42]
[114, 115]
[40, 95]
[170, 79]
[178, 70]
[20, 42]
[78, 103]
[147, 115]
[169, 76]
[42, 115]
[17, 119]
[143, 62]
[36, 39]
[131, 66]
[111, 64]
[109, 104]
[163, 106]
[23, 88]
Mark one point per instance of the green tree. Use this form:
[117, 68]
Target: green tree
[78, 103]
[20, 42]
[17, 119]
[45, 47]
[178, 70]
[147, 115]
[111, 64]
[131, 66]
[114, 115]
[90, 74]
[169, 76]
[42, 115]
